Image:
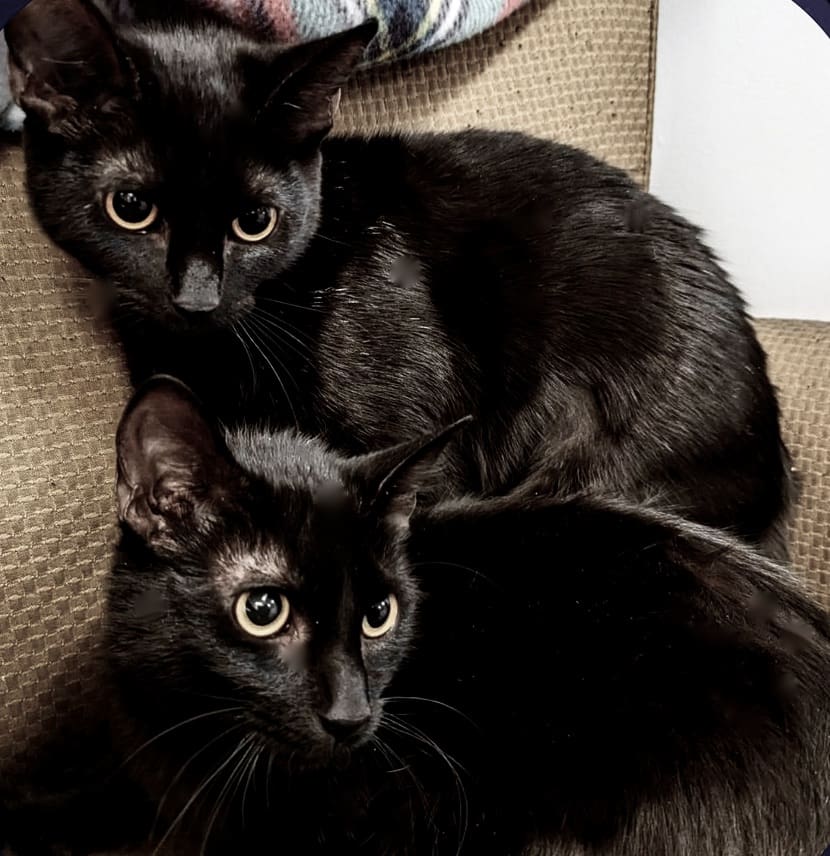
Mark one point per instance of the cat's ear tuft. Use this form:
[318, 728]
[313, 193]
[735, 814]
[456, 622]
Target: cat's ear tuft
[306, 83]
[173, 465]
[63, 56]
[391, 478]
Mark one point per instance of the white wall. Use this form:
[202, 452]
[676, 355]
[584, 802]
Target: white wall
[742, 143]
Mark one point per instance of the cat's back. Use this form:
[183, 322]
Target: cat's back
[492, 172]
[528, 212]
[661, 667]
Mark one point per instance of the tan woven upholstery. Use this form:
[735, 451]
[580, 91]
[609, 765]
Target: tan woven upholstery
[799, 363]
[579, 70]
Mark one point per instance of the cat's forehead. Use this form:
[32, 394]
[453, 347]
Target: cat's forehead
[198, 63]
[293, 555]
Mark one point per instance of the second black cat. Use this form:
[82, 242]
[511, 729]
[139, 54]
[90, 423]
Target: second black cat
[301, 664]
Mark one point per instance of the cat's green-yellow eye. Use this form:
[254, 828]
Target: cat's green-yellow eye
[256, 224]
[130, 210]
[380, 617]
[262, 612]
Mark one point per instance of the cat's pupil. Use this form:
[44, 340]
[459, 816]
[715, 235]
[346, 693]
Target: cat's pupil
[378, 613]
[131, 207]
[263, 606]
[255, 221]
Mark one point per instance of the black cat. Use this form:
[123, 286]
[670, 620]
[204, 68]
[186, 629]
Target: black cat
[304, 662]
[369, 289]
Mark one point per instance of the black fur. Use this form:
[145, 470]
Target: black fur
[566, 677]
[411, 279]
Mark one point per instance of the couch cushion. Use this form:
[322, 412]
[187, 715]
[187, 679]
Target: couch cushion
[61, 389]
[580, 71]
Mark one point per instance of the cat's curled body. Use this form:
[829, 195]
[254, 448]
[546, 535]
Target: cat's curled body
[409, 279]
[542, 678]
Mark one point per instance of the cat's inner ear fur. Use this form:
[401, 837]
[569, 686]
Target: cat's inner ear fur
[304, 83]
[62, 57]
[173, 465]
[391, 478]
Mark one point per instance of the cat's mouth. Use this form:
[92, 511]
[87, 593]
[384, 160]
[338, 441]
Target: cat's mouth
[317, 752]
[130, 303]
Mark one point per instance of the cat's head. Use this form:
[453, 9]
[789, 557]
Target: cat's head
[260, 576]
[180, 163]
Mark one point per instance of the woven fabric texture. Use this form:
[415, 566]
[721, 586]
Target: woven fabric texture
[61, 390]
[575, 70]
[799, 364]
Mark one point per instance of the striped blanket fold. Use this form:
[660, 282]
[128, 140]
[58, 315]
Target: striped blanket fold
[406, 27]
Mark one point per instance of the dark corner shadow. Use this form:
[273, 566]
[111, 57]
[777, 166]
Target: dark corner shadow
[10, 138]
[64, 777]
[819, 11]
[53, 731]
[430, 70]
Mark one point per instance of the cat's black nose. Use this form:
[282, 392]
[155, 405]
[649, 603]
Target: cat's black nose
[343, 729]
[197, 285]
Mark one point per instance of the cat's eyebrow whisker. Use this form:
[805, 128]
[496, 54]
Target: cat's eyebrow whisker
[179, 725]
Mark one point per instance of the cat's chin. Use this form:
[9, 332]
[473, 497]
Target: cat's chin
[338, 756]
[318, 755]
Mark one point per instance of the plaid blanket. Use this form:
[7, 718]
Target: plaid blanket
[406, 27]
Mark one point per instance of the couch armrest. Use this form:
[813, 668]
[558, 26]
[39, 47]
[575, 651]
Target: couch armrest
[799, 363]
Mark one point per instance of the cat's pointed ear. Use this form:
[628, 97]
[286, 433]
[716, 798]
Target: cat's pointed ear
[173, 464]
[306, 83]
[62, 57]
[391, 478]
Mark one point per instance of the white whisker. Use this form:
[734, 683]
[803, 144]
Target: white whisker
[195, 796]
[251, 337]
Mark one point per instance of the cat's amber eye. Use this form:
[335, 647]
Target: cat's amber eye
[262, 612]
[380, 617]
[256, 224]
[130, 210]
